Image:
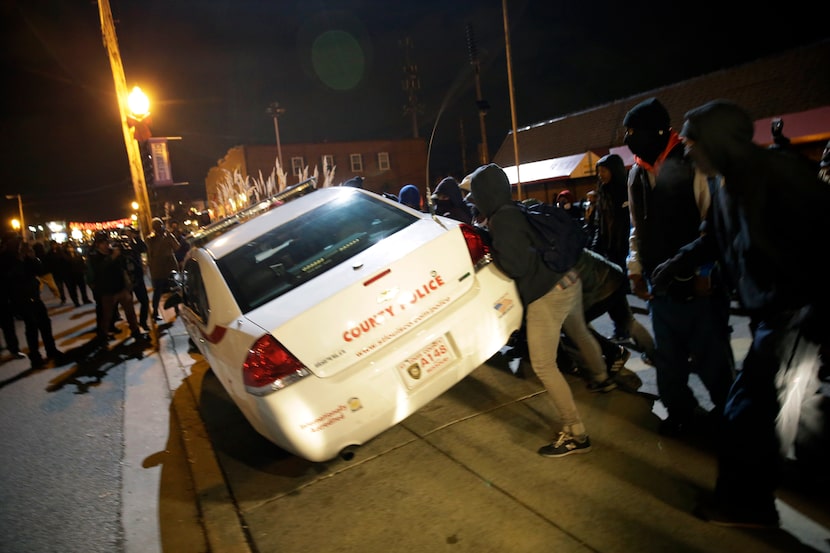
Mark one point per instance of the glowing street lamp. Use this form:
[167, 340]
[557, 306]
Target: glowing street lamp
[138, 103]
[138, 120]
[21, 224]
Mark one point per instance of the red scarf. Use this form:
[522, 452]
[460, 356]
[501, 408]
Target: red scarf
[674, 140]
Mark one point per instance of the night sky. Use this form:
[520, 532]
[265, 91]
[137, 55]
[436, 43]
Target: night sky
[212, 67]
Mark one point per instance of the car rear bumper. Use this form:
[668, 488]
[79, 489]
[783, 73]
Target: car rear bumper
[317, 418]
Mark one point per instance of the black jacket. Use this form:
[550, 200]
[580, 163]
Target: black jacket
[612, 219]
[455, 207]
[770, 219]
[109, 273]
[514, 241]
[667, 216]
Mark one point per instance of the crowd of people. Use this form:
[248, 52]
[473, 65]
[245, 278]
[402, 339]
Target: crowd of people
[110, 270]
[691, 227]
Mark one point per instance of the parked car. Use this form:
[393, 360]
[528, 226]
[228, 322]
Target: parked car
[330, 315]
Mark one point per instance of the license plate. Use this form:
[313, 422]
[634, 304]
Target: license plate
[426, 363]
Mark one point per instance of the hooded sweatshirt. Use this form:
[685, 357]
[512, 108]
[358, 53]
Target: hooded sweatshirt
[455, 207]
[770, 255]
[613, 221]
[514, 241]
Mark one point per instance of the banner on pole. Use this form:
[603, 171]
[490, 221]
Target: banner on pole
[162, 173]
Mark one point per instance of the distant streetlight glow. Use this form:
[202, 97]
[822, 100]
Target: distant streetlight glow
[20, 223]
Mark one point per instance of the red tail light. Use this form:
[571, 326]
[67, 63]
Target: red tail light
[479, 250]
[270, 367]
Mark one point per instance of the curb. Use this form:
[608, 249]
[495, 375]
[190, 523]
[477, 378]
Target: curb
[222, 522]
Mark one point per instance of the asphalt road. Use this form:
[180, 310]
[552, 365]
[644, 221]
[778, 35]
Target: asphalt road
[139, 451]
[91, 454]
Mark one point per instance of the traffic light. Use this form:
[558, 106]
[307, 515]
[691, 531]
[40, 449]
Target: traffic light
[147, 162]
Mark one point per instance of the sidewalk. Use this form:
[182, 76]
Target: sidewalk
[463, 472]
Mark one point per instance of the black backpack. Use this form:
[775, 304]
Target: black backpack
[564, 235]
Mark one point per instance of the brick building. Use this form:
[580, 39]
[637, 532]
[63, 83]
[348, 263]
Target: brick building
[386, 165]
[561, 153]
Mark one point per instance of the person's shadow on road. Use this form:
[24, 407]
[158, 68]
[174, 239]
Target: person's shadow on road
[91, 362]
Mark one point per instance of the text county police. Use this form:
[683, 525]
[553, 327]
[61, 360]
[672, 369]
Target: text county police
[376, 320]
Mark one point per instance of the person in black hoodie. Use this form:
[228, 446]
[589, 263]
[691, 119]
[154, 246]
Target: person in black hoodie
[668, 200]
[552, 302]
[9, 253]
[780, 282]
[613, 222]
[449, 201]
[113, 287]
[25, 291]
[565, 200]
[610, 239]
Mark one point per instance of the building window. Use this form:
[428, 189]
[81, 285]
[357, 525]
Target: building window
[328, 162]
[297, 166]
[356, 161]
[383, 161]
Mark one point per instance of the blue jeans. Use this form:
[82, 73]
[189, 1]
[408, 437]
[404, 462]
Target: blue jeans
[749, 457]
[691, 336]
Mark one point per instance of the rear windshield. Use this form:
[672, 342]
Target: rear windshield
[300, 249]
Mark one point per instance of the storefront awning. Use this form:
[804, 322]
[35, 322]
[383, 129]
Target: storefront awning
[568, 167]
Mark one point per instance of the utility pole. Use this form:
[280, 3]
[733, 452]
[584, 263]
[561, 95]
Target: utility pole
[512, 99]
[462, 136]
[482, 104]
[411, 85]
[133, 150]
[274, 110]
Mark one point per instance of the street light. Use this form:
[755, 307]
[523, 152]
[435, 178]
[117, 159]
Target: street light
[20, 210]
[274, 110]
[138, 120]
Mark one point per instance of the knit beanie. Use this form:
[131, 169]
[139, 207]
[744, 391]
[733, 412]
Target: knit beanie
[410, 195]
[647, 115]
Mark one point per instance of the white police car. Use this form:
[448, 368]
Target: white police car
[331, 314]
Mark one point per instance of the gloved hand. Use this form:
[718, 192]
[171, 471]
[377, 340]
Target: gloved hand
[639, 287]
[662, 276]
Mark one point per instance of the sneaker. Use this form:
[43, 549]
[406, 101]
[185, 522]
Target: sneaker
[619, 361]
[18, 355]
[737, 519]
[565, 444]
[604, 386]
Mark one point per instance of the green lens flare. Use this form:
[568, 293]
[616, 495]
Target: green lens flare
[338, 60]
